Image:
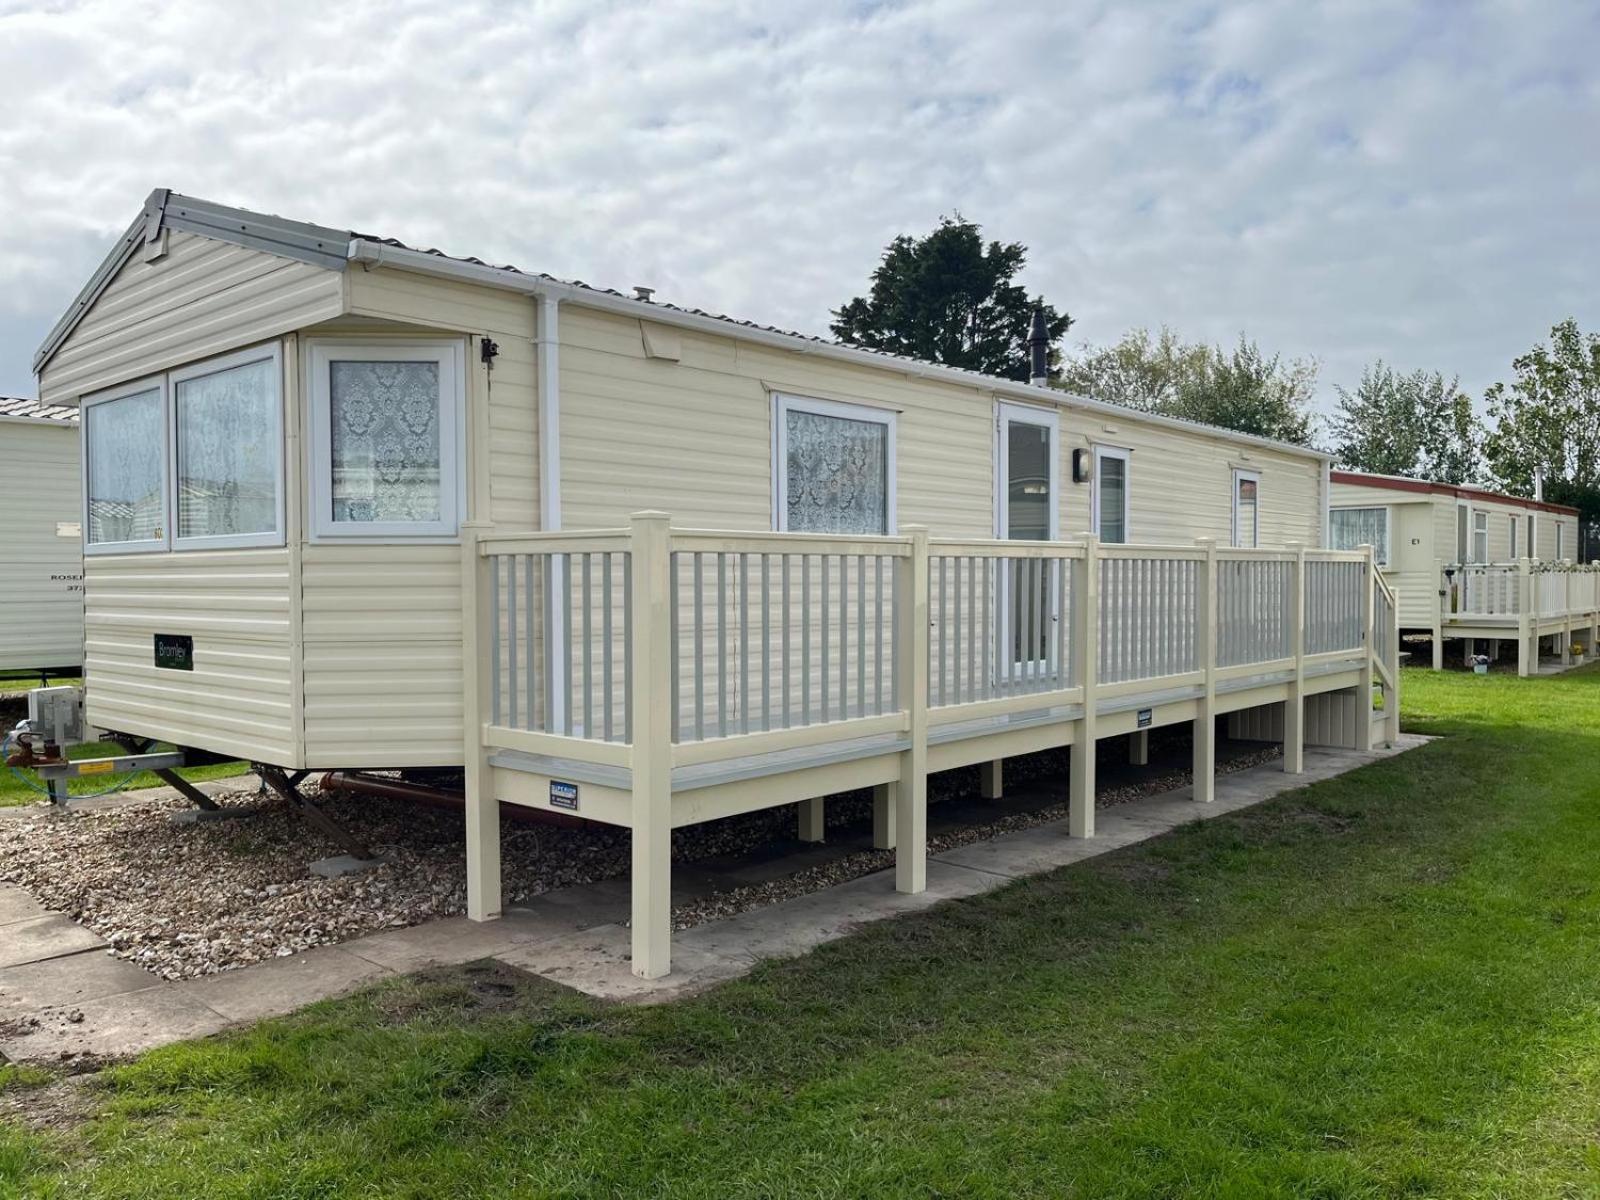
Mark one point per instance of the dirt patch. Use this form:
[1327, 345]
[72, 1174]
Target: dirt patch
[60, 1105]
[471, 992]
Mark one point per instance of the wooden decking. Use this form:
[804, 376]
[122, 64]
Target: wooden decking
[1523, 602]
[652, 678]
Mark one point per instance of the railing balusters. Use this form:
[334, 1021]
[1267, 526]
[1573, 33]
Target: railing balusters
[805, 639]
[787, 625]
[676, 604]
[744, 643]
[766, 642]
[877, 642]
[607, 682]
[722, 645]
[588, 651]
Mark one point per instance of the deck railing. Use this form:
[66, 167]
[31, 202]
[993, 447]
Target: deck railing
[1537, 590]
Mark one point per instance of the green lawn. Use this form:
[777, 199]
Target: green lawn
[1387, 984]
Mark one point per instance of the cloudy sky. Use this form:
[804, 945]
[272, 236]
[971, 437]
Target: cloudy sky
[1341, 180]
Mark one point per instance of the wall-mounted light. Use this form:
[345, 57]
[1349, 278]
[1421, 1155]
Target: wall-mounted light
[1082, 466]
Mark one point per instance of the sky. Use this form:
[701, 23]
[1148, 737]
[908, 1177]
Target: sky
[1339, 180]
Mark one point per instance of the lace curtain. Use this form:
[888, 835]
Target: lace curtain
[228, 452]
[124, 446]
[1352, 527]
[838, 479]
[386, 459]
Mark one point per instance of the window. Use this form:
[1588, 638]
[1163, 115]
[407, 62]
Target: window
[1561, 551]
[124, 477]
[833, 467]
[228, 417]
[1246, 509]
[1351, 528]
[1463, 540]
[387, 436]
[1480, 537]
[1110, 500]
[1516, 523]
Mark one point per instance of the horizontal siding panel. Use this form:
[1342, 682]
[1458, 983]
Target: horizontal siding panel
[202, 298]
[240, 698]
[41, 602]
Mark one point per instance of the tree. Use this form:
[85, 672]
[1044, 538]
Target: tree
[948, 298]
[1414, 424]
[1548, 421]
[1243, 390]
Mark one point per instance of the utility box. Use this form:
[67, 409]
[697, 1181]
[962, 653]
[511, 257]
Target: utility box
[56, 715]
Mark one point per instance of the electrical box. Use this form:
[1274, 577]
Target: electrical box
[55, 714]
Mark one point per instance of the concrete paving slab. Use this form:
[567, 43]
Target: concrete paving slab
[458, 940]
[1042, 848]
[39, 938]
[111, 1027]
[597, 961]
[17, 905]
[271, 989]
[73, 979]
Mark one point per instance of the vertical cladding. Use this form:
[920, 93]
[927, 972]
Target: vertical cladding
[41, 598]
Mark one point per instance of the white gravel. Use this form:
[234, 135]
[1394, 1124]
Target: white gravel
[191, 900]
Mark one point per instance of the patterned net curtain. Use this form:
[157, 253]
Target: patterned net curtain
[1353, 527]
[227, 452]
[386, 458]
[124, 438]
[838, 474]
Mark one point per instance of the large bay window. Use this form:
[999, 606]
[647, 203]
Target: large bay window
[192, 459]
[228, 418]
[124, 469]
[833, 467]
[1352, 528]
[387, 437]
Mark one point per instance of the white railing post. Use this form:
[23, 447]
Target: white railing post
[482, 809]
[911, 662]
[1527, 620]
[651, 753]
[1566, 612]
[1439, 614]
[1369, 642]
[1294, 705]
[1391, 716]
[1205, 713]
[1086, 649]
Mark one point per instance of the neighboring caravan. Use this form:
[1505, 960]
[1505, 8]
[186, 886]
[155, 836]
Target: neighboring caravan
[327, 473]
[1454, 557]
[41, 553]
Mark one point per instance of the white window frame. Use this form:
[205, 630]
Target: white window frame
[1239, 476]
[1474, 532]
[1125, 455]
[1024, 414]
[1463, 532]
[273, 352]
[451, 356]
[1561, 551]
[782, 405]
[1516, 521]
[1388, 528]
[162, 544]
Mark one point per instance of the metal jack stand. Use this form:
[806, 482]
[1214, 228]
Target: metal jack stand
[288, 786]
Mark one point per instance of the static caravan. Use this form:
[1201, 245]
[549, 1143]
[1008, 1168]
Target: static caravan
[391, 509]
[1471, 564]
[41, 557]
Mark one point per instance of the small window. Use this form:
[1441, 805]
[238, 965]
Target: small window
[1111, 494]
[228, 416]
[1561, 551]
[1515, 525]
[1352, 528]
[833, 466]
[124, 446]
[1480, 537]
[1246, 509]
[387, 438]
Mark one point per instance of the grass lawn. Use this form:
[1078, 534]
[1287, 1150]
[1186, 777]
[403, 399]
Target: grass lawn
[1387, 984]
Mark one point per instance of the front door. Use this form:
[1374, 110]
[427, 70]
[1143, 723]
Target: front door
[1027, 510]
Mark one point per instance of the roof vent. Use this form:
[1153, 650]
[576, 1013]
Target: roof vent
[643, 293]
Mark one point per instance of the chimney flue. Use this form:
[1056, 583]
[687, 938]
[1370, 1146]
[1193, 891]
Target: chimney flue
[1039, 350]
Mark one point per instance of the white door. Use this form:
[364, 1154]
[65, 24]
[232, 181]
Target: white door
[1110, 494]
[1026, 494]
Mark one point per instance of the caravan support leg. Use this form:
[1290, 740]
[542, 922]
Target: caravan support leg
[288, 786]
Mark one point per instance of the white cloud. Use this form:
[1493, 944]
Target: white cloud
[1339, 180]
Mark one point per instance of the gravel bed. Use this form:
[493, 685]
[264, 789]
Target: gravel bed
[195, 899]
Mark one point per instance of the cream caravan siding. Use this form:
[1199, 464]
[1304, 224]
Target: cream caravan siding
[41, 571]
[236, 604]
[430, 304]
[201, 298]
[1180, 484]
[694, 437]
[1411, 570]
[382, 648]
